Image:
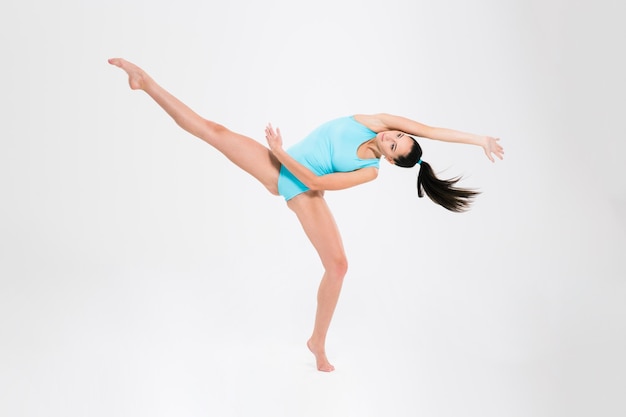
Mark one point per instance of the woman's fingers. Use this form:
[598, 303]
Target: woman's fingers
[494, 148]
[273, 137]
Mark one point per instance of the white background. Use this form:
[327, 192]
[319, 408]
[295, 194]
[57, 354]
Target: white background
[143, 275]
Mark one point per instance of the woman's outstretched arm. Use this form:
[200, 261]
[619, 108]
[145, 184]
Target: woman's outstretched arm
[383, 121]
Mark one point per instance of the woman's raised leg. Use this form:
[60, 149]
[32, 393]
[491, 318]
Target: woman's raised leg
[321, 229]
[243, 151]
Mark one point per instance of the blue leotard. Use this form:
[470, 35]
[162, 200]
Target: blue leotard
[332, 147]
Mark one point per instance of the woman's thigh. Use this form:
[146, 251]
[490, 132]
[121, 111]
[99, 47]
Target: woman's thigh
[246, 153]
[320, 227]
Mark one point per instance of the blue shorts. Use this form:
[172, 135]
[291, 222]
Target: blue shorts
[288, 185]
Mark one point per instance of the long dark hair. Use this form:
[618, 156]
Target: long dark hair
[442, 192]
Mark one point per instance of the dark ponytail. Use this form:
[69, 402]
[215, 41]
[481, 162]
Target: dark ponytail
[442, 192]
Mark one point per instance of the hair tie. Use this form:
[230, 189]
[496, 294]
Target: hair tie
[419, 162]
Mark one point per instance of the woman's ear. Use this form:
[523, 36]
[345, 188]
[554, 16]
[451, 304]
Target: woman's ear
[391, 161]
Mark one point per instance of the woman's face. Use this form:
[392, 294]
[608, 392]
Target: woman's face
[393, 144]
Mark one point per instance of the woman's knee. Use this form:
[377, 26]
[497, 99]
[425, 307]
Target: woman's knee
[337, 267]
[212, 130]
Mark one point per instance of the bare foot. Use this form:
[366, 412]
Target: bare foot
[320, 357]
[136, 76]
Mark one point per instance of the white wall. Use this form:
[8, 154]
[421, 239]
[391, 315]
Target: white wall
[140, 273]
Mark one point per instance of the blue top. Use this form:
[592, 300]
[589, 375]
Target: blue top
[332, 147]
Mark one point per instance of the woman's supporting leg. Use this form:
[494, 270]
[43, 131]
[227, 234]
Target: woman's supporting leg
[243, 151]
[321, 229]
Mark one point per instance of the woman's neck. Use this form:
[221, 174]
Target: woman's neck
[372, 148]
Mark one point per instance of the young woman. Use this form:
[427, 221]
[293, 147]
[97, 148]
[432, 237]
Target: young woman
[338, 155]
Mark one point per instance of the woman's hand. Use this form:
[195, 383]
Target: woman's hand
[492, 147]
[274, 139]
